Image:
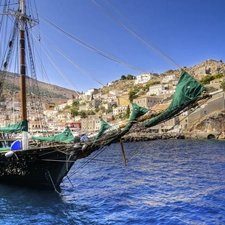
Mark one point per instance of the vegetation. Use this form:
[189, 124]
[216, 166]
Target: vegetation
[133, 93]
[206, 79]
[151, 83]
[128, 77]
[127, 115]
[222, 85]
[105, 90]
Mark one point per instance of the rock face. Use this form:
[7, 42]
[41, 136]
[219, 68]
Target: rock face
[214, 122]
[198, 71]
[211, 126]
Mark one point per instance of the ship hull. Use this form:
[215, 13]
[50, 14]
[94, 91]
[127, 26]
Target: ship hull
[41, 168]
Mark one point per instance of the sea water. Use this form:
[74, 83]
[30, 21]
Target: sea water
[163, 182]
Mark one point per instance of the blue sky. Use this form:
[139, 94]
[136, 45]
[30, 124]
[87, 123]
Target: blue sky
[188, 31]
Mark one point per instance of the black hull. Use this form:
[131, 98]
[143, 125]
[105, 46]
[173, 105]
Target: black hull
[45, 168]
[41, 168]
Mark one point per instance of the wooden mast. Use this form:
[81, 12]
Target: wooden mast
[22, 18]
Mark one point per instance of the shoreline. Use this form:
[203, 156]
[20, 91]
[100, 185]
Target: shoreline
[141, 136]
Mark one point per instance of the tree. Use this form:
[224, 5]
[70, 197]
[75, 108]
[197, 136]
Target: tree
[83, 114]
[222, 85]
[66, 107]
[109, 110]
[130, 77]
[74, 112]
[123, 77]
[133, 94]
[128, 112]
[218, 75]
[206, 79]
[75, 103]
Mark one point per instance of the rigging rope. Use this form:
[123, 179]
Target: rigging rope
[155, 48]
[89, 160]
[98, 51]
[70, 60]
[54, 64]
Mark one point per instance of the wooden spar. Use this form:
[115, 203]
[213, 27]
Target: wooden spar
[123, 153]
[22, 19]
[23, 77]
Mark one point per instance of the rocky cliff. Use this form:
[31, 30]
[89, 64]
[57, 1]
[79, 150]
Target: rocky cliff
[213, 122]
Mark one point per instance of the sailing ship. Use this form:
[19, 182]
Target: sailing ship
[39, 165]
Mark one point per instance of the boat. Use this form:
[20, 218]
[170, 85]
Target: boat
[43, 162]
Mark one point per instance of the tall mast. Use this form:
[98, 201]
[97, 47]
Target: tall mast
[22, 23]
[22, 60]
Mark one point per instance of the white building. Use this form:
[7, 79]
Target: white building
[92, 91]
[168, 78]
[156, 89]
[143, 78]
[159, 90]
[120, 109]
[60, 107]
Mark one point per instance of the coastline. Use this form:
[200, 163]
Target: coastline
[144, 136]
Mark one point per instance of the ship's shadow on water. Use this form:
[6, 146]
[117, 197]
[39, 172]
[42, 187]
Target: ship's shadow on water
[163, 182]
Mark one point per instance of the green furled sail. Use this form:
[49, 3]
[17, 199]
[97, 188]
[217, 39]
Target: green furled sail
[66, 136]
[188, 90]
[15, 128]
[104, 126]
[137, 111]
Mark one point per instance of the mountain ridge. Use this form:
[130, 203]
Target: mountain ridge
[60, 94]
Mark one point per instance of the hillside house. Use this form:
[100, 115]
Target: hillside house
[92, 91]
[143, 78]
[109, 98]
[168, 78]
[60, 107]
[123, 100]
[119, 110]
[159, 89]
[63, 116]
[148, 101]
[156, 89]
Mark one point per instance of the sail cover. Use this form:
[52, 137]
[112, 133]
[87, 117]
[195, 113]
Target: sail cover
[104, 126]
[66, 136]
[188, 90]
[137, 111]
[15, 128]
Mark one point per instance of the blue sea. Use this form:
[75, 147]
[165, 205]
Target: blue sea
[163, 182]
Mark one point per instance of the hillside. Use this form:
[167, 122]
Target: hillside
[58, 94]
[198, 72]
[48, 92]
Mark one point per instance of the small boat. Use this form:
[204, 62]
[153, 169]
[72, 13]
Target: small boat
[43, 162]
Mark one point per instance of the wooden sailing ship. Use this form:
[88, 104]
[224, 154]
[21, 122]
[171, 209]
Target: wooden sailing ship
[36, 165]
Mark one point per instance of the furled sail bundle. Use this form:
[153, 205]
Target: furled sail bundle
[104, 126]
[188, 91]
[66, 136]
[15, 128]
[137, 111]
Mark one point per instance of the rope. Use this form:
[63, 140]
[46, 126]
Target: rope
[69, 60]
[98, 51]
[156, 48]
[89, 160]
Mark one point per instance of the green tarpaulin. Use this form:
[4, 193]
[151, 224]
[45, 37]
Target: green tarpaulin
[188, 90]
[137, 111]
[104, 126]
[66, 136]
[15, 128]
